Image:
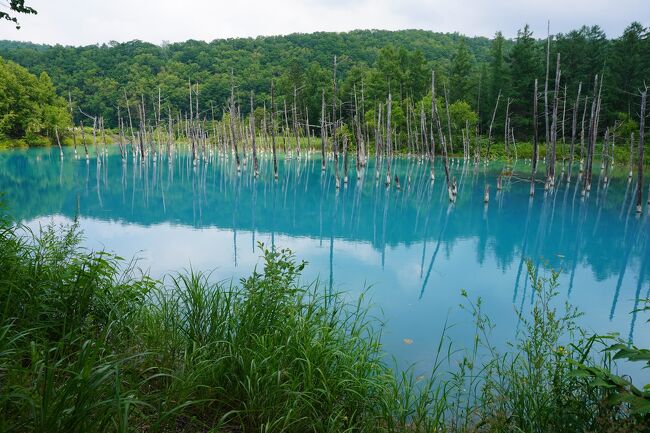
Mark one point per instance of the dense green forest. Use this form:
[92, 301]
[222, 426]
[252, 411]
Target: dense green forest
[472, 70]
[29, 105]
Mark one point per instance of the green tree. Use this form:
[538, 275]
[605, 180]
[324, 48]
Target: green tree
[583, 54]
[498, 77]
[29, 106]
[628, 68]
[525, 65]
[460, 73]
[462, 117]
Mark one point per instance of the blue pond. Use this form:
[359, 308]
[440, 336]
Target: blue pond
[410, 249]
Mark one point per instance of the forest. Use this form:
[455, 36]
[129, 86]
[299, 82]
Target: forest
[475, 72]
[29, 105]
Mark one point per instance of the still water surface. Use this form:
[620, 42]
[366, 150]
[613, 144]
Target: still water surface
[409, 248]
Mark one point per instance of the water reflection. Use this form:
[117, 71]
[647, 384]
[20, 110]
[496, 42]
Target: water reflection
[412, 245]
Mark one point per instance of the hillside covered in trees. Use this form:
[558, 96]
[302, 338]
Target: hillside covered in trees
[474, 71]
[29, 105]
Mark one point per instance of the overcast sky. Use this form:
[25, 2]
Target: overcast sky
[83, 22]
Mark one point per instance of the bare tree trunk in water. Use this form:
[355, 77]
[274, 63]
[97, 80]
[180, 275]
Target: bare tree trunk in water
[252, 126]
[334, 141]
[443, 145]
[74, 134]
[548, 62]
[83, 139]
[591, 139]
[323, 133]
[535, 136]
[574, 124]
[426, 146]
[58, 141]
[639, 191]
[506, 127]
[275, 159]
[232, 126]
[451, 144]
[631, 155]
[582, 135]
[556, 100]
[494, 113]
[388, 138]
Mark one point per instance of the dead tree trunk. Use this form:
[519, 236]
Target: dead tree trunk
[574, 124]
[441, 136]
[295, 121]
[548, 64]
[99, 159]
[103, 132]
[535, 139]
[307, 131]
[378, 143]
[388, 138]
[286, 129]
[631, 155]
[506, 128]
[143, 127]
[345, 159]
[564, 117]
[366, 135]
[606, 156]
[556, 100]
[170, 134]
[323, 133]
[494, 113]
[639, 187]
[83, 139]
[265, 128]
[533, 164]
[275, 159]
[433, 134]
[426, 145]
[128, 110]
[591, 141]
[232, 126]
[74, 139]
[334, 139]
[252, 127]
[58, 141]
[120, 125]
[451, 144]
[74, 134]
[242, 134]
[359, 135]
[582, 134]
[408, 131]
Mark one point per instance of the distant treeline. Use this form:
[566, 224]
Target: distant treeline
[472, 69]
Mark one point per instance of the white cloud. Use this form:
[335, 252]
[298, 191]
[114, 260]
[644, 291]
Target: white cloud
[81, 22]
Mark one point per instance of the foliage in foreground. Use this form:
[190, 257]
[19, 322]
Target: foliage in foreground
[87, 348]
[622, 390]
[87, 345]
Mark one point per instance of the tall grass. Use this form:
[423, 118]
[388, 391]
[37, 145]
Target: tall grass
[87, 344]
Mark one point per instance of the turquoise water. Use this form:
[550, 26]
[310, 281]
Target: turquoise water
[410, 249]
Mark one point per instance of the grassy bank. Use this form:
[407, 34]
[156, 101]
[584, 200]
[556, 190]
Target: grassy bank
[65, 137]
[88, 344]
